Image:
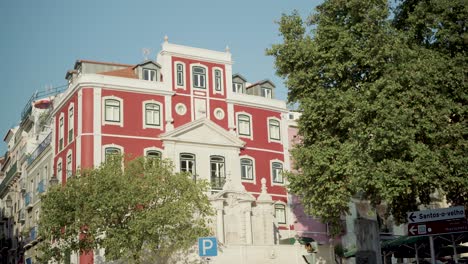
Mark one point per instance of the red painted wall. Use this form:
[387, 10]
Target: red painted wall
[87, 138]
[188, 74]
[66, 144]
[260, 127]
[132, 114]
[181, 119]
[133, 147]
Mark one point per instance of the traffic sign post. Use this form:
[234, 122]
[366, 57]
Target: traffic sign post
[436, 214]
[207, 247]
[438, 227]
[437, 222]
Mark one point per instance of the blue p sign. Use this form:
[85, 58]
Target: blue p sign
[207, 247]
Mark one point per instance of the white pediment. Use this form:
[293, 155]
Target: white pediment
[232, 194]
[205, 132]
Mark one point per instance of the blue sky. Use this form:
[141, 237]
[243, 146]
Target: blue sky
[41, 40]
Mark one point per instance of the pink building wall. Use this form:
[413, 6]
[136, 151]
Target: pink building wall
[305, 225]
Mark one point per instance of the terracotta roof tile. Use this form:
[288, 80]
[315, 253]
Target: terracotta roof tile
[126, 73]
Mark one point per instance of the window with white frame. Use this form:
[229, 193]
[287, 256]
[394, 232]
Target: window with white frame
[277, 172]
[61, 132]
[218, 83]
[113, 110]
[274, 129]
[153, 154]
[152, 114]
[244, 125]
[180, 80]
[247, 169]
[152, 157]
[218, 172]
[71, 123]
[187, 163]
[238, 87]
[112, 154]
[149, 74]
[199, 77]
[266, 92]
[280, 213]
[69, 165]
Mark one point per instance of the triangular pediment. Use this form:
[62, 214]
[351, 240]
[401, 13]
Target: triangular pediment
[203, 131]
[238, 195]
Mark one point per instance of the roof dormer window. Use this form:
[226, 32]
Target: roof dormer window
[148, 71]
[149, 74]
[266, 92]
[238, 87]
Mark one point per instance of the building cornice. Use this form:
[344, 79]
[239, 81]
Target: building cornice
[258, 102]
[196, 53]
[112, 82]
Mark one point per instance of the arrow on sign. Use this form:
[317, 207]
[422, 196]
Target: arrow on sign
[413, 230]
[412, 217]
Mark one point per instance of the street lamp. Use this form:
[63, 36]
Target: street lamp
[54, 180]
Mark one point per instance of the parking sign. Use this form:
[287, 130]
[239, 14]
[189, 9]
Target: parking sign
[207, 247]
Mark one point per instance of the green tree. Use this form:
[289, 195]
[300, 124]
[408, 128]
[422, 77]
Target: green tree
[383, 101]
[142, 210]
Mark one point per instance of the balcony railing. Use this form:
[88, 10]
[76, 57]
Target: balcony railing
[33, 233]
[9, 176]
[27, 108]
[12, 171]
[40, 94]
[6, 155]
[40, 148]
[31, 239]
[22, 215]
[41, 186]
[27, 199]
[217, 183]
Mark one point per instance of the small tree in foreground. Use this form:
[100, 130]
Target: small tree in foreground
[143, 209]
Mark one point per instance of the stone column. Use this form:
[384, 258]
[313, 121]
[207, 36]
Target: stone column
[247, 218]
[265, 209]
[248, 223]
[218, 205]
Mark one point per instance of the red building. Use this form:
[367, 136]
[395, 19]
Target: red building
[189, 107]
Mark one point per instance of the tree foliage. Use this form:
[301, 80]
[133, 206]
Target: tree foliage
[383, 101]
[130, 213]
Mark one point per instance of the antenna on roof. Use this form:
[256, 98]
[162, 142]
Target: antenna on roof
[145, 52]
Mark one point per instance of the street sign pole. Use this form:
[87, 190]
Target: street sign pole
[431, 243]
[417, 256]
[455, 255]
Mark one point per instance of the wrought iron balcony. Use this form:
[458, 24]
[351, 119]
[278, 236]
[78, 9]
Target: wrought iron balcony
[33, 233]
[42, 146]
[22, 216]
[27, 200]
[31, 239]
[217, 183]
[8, 178]
[41, 186]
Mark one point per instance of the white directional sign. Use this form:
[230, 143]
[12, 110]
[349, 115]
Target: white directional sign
[436, 214]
